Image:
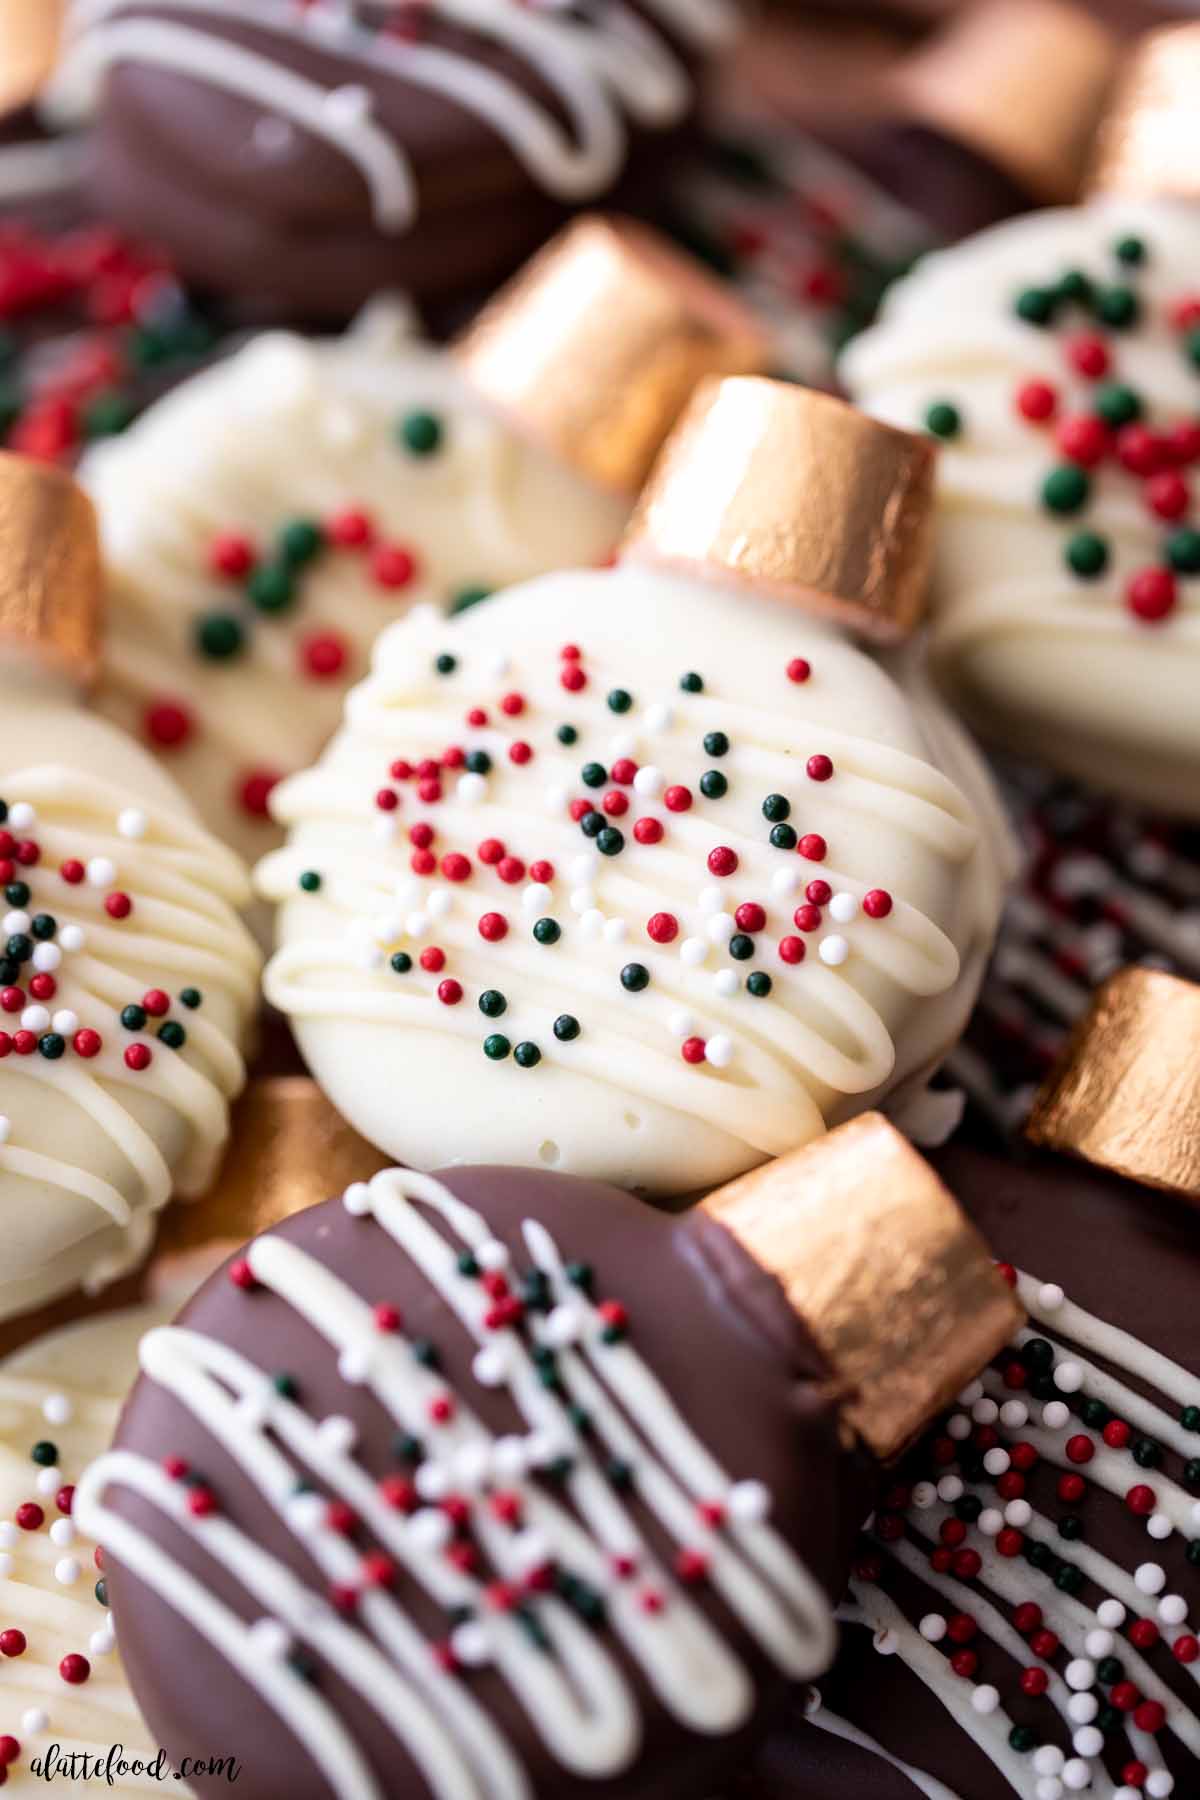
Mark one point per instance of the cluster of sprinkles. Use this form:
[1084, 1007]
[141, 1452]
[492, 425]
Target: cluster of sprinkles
[44, 1518]
[1109, 432]
[625, 812]
[35, 943]
[119, 320]
[995, 1512]
[529, 1544]
[269, 578]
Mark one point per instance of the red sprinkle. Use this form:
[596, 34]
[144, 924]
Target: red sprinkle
[1141, 1500]
[692, 1050]
[662, 927]
[12, 1642]
[456, 867]
[1151, 595]
[118, 905]
[75, 1669]
[241, 1274]
[29, 1516]
[138, 1057]
[677, 798]
[352, 529]
[492, 927]
[722, 860]
[750, 916]
[819, 768]
[799, 669]
[877, 903]
[167, 724]
[393, 566]
[791, 949]
[812, 847]
[1037, 401]
[648, 831]
[450, 992]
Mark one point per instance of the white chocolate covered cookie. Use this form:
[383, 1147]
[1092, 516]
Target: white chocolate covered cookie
[629, 874]
[1057, 359]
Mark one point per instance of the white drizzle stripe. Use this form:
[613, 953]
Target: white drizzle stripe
[575, 1696]
[836, 1726]
[1068, 1617]
[596, 70]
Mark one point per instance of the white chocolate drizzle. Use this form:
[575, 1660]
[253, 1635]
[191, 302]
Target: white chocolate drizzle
[571, 1690]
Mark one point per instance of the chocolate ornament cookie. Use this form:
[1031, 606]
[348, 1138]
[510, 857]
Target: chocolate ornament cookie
[127, 980]
[1023, 1616]
[649, 873]
[265, 521]
[500, 1483]
[307, 157]
[1054, 359]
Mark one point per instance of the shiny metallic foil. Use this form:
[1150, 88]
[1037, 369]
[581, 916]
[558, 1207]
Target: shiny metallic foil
[50, 592]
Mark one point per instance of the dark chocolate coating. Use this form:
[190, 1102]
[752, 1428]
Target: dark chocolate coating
[946, 183]
[717, 1331]
[1130, 1256]
[292, 233]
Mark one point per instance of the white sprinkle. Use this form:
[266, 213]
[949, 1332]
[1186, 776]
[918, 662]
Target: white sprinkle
[557, 797]
[48, 1481]
[583, 868]
[35, 1018]
[354, 1365]
[357, 1199]
[470, 1644]
[615, 931]
[785, 881]
[65, 1022]
[1111, 1614]
[1160, 1783]
[337, 1434]
[1158, 1526]
[693, 951]
[1172, 1609]
[16, 921]
[659, 717]
[958, 1427]
[622, 744]
[46, 958]
[1088, 1741]
[417, 924]
[1018, 1514]
[1055, 1415]
[749, 1500]
[1050, 1296]
[66, 1570]
[472, 1465]
[1099, 1644]
[530, 1549]
[471, 788]
[923, 1495]
[843, 908]
[562, 1327]
[536, 897]
[1082, 1708]
[490, 1367]
[971, 1393]
[430, 1529]
[1014, 1414]
[710, 899]
[432, 1481]
[933, 1627]
[648, 782]
[1068, 1377]
[996, 1462]
[985, 1411]
[101, 871]
[1048, 1759]
[62, 1533]
[71, 937]
[21, 816]
[985, 1698]
[132, 823]
[1080, 1673]
[271, 1638]
[591, 923]
[582, 900]
[833, 951]
[681, 1023]
[439, 903]
[990, 1521]
[348, 104]
[1149, 1578]
[509, 1457]
[34, 1720]
[719, 1050]
[720, 927]
[725, 982]
[950, 1488]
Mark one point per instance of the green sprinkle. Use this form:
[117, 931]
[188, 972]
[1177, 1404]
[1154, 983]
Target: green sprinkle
[310, 881]
[1189, 1418]
[635, 977]
[285, 1385]
[1183, 554]
[567, 734]
[741, 946]
[547, 931]
[592, 824]
[1070, 1526]
[691, 683]
[445, 664]
[1036, 305]
[1086, 554]
[566, 1027]
[610, 841]
[107, 415]
[299, 541]
[219, 636]
[191, 998]
[620, 700]
[1118, 404]
[492, 1003]
[1066, 489]
[44, 1453]
[1146, 1453]
[420, 433]
[172, 1034]
[271, 588]
[716, 744]
[783, 837]
[1130, 250]
[1117, 307]
[52, 1046]
[776, 808]
[943, 419]
[1022, 1738]
[1192, 346]
[527, 1055]
[467, 597]
[467, 1264]
[581, 1275]
[426, 1352]
[17, 893]
[496, 1047]
[1076, 288]
[101, 1592]
[43, 926]
[593, 774]
[619, 1473]
[1110, 1669]
[477, 762]
[758, 984]
[1068, 1579]
[401, 962]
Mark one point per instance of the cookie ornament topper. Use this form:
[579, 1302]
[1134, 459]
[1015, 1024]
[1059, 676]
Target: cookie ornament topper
[126, 979]
[648, 873]
[498, 1482]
